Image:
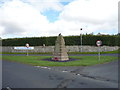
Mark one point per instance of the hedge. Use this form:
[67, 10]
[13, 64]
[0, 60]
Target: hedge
[108, 40]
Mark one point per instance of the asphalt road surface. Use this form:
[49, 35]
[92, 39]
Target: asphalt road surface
[16, 75]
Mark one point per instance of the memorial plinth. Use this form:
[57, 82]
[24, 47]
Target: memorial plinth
[60, 51]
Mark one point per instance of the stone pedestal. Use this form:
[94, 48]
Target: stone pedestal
[60, 51]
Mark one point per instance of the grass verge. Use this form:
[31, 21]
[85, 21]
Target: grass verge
[82, 60]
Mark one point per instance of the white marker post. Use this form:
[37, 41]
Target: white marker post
[27, 45]
[99, 43]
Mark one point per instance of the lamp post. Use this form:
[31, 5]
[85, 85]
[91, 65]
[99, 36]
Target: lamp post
[81, 40]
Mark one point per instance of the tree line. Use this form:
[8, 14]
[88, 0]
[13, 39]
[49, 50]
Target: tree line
[108, 40]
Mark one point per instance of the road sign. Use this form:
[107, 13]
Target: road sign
[23, 48]
[27, 45]
[99, 43]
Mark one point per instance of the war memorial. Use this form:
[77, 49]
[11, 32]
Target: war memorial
[60, 51]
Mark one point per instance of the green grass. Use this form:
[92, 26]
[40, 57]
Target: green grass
[82, 60]
[107, 52]
[25, 53]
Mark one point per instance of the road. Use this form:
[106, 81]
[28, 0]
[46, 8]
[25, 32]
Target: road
[16, 75]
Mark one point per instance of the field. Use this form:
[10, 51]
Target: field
[39, 60]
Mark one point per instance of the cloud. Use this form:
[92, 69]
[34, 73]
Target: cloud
[44, 5]
[19, 18]
[96, 14]
[91, 15]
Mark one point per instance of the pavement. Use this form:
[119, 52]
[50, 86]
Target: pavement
[17, 75]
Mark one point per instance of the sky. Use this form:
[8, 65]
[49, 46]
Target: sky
[37, 18]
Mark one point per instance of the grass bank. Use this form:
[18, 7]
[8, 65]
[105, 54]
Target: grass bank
[38, 60]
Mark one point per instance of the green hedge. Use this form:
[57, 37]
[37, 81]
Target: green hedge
[108, 40]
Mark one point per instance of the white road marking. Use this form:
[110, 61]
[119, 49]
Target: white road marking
[8, 88]
[78, 74]
[37, 66]
[44, 67]
[48, 68]
[64, 71]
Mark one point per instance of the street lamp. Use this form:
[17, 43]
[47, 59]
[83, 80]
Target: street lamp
[81, 40]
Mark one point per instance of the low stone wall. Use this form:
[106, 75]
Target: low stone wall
[90, 48]
[69, 48]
